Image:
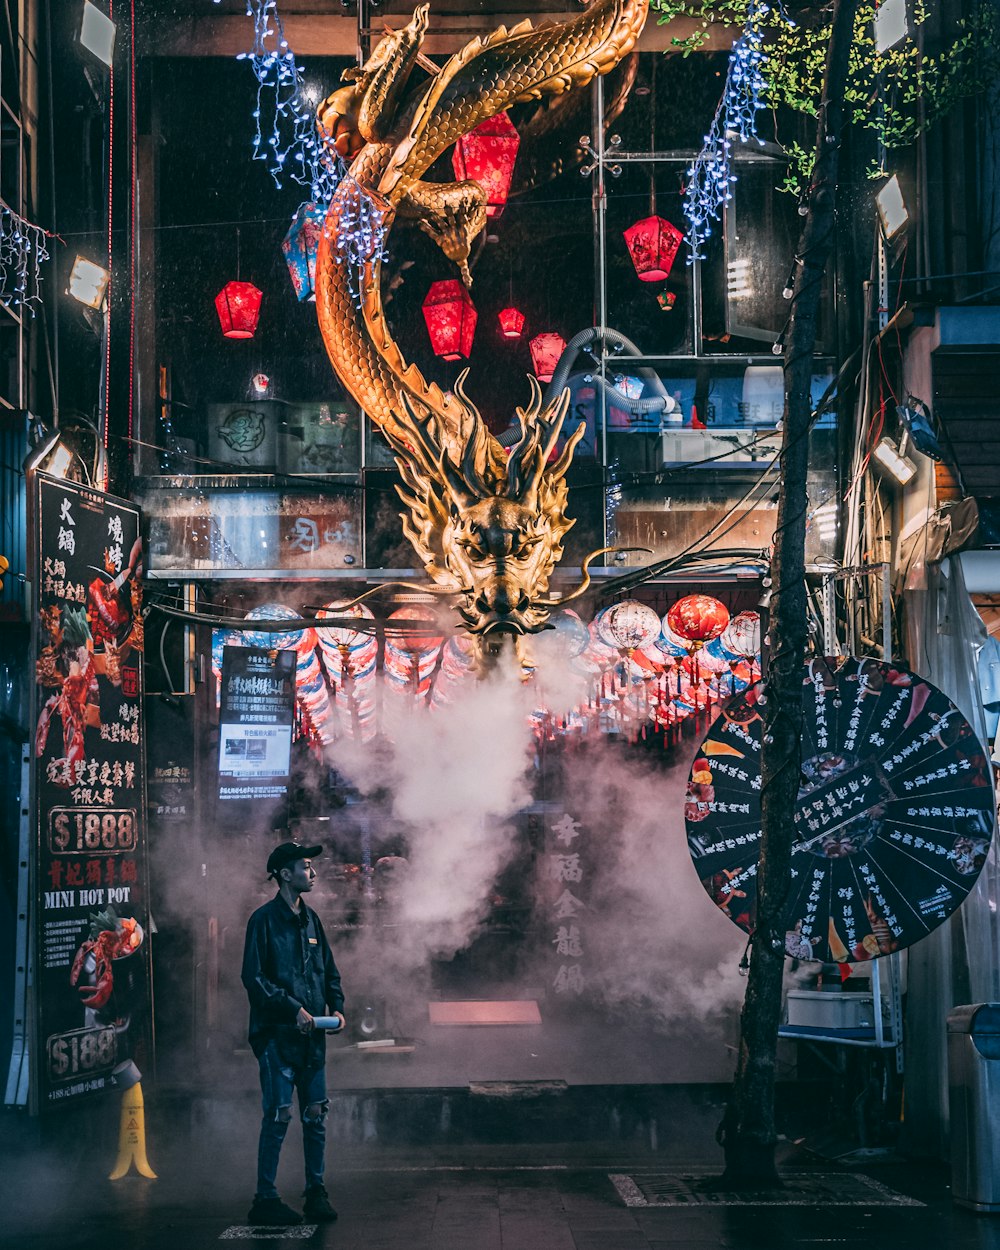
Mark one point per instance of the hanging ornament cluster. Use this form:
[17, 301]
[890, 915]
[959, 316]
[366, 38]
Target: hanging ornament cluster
[286, 137]
[711, 177]
[238, 306]
[23, 250]
[487, 155]
[451, 318]
[642, 672]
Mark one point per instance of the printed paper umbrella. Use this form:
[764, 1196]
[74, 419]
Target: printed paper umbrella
[895, 811]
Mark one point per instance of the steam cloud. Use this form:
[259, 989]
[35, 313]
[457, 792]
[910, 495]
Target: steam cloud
[459, 774]
[656, 952]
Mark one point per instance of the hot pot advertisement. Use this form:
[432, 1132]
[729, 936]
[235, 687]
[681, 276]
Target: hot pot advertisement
[91, 911]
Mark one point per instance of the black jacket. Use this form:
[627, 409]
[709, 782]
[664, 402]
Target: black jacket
[288, 964]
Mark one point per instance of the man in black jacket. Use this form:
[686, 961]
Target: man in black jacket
[290, 977]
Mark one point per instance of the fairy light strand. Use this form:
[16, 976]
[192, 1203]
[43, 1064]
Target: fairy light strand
[361, 231]
[23, 251]
[286, 137]
[711, 176]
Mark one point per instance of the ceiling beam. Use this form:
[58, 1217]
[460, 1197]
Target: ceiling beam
[336, 34]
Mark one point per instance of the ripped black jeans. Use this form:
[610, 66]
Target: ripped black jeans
[278, 1080]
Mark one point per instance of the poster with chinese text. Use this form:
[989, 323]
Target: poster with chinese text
[91, 909]
[255, 736]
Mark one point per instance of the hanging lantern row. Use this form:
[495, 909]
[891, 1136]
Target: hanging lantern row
[643, 673]
[487, 155]
[634, 670]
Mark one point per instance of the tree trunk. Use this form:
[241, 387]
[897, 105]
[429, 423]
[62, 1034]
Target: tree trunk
[749, 1130]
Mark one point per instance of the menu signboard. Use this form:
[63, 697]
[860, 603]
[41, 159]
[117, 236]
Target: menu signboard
[90, 897]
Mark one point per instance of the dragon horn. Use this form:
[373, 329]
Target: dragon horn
[462, 492]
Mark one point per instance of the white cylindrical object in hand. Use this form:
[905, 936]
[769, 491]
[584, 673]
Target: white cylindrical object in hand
[330, 1023]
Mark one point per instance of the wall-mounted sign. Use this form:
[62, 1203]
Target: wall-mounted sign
[255, 736]
[91, 919]
[170, 762]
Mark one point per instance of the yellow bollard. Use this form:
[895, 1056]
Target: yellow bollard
[132, 1136]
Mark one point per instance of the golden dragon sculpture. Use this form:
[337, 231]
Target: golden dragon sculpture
[487, 527]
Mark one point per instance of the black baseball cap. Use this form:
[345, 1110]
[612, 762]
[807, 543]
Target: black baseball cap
[287, 853]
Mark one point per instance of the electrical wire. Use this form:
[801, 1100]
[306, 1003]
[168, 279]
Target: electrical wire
[241, 624]
[638, 576]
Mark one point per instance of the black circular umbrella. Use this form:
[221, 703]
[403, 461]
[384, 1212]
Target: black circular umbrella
[895, 811]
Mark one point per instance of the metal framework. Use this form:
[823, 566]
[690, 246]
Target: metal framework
[14, 343]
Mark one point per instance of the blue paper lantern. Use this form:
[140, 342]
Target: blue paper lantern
[300, 245]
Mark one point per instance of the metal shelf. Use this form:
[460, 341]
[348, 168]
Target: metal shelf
[884, 1036]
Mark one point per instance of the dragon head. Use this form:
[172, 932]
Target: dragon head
[487, 529]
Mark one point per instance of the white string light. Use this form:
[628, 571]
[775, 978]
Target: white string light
[286, 136]
[711, 177]
[23, 249]
[361, 231]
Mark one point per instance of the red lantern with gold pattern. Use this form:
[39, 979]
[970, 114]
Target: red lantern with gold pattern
[698, 619]
[546, 350]
[238, 306]
[653, 243]
[451, 319]
[511, 322]
[487, 155]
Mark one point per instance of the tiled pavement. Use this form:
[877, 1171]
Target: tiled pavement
[54, 1193]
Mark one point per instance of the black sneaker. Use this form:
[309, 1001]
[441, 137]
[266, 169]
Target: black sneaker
[272, 1212]
[317, 1205]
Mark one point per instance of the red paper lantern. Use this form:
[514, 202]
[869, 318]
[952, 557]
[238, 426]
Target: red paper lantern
[698, 619]
[511, 322]
[238, 306]
[546, 349]
[487, 155]
[653, 244]
[451, 319]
